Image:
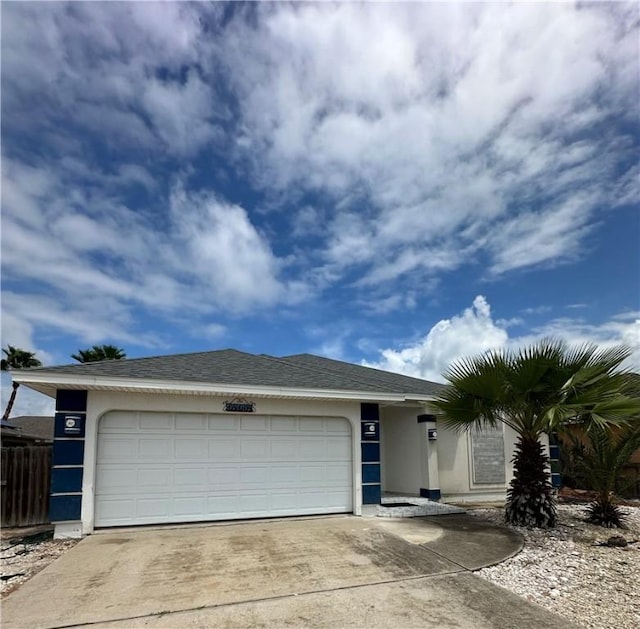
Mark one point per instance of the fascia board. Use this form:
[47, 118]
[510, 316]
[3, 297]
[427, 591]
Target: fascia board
[174, 386]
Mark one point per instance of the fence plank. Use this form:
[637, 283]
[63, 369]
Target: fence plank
[26, 472]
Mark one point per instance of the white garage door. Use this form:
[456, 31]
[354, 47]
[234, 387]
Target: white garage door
[185, 467]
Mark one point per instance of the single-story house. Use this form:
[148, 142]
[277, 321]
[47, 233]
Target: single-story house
[38, 427]
[229, 435]
[27, 430]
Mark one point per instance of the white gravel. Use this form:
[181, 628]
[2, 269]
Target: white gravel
[19, 562]
[566, 571]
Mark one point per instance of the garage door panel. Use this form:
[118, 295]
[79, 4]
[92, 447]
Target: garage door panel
[312, 424]
[183, 467]
[195, 478]
[224, 448]
[223, 422]
[313, 448]
[337, 449]
[114, 449]
[284, 449]
[157, 449]
[157, 477]
[253, 424]
[190, 449]
[190, 421]
[254, 449]
[115, 510]
[337, 425]
[284, 424]
[120, 421]
[152, 507]
[155, 421]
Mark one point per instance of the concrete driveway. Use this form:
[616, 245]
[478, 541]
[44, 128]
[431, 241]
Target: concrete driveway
[324, 572]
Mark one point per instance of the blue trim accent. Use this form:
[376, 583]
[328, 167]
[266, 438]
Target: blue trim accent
[556, 480]
[66, 480]
[61, 430]
[71, 400]
[370, 452]
[68, 452]
[554, 452]
[431, 494]
[371, 495]
[426, 418]
[63, 508]
[369, 412]
[370, 472]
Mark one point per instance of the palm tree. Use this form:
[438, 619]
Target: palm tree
[536, 390]
[99, 352]
[16, 359]
[598, 459]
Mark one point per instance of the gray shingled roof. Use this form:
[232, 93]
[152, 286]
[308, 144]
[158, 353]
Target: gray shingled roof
[230, 366]
[38, 426]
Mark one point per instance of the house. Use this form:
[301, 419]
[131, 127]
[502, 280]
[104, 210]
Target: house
[27, 430]
[229, 435]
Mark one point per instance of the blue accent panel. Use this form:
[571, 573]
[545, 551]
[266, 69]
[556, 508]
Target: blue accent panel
[370, 452]
[426, 418]
[371, 473]
[556, 480]
[62, 508]
[371, 494]
[71, 400]
[61, 428]
[554, 452]
[369, 412]
[65, 480]
[68, 452]
[431, 494]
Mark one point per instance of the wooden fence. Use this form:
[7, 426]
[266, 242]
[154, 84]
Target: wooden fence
[26, 472]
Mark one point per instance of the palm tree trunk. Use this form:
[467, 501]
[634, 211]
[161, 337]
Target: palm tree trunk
[12, 399]
[530, 498]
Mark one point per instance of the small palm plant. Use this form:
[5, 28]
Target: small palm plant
[534, 391]
[598, 458]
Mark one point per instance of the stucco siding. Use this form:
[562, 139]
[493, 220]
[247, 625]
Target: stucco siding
[401, 450]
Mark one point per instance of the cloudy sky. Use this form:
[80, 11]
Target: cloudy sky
[394, 184]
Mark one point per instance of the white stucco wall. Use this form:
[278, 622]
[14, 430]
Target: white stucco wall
[400, 450]
[101, 402]
[455, 467]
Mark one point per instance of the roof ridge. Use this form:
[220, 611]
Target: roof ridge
[140, 358]
[381, 371]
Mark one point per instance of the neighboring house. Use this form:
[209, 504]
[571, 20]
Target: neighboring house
[27, 430]
[228, 435]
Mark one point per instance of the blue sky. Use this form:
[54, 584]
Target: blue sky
[393, 184]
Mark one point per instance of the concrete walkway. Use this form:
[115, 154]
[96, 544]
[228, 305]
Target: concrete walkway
[324, 572]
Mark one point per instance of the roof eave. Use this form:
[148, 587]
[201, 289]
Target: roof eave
[49, 383]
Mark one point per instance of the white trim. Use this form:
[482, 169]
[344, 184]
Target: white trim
[49, 381]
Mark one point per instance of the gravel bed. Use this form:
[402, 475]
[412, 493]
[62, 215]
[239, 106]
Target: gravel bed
[21, 558]
[566, 570]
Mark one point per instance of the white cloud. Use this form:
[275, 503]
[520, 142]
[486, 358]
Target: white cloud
[225, 250]
[455, 151]
[475, 331]
[470, 333]
[86, 262]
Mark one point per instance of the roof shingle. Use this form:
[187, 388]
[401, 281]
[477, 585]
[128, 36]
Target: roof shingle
[230, 366]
